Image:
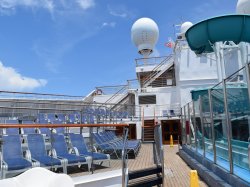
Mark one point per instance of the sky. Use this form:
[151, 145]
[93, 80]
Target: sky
[71, 46]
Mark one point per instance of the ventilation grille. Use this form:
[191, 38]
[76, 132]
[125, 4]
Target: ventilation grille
[149, 99]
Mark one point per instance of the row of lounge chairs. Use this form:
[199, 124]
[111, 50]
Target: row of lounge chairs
[109, 143]
[59, 156]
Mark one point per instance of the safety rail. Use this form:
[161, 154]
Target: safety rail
[158, 148]
[216, 125]
[156, 70]
[149, 61]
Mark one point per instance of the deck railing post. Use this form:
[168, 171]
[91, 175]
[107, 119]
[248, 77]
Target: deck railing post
[228, 126]
[195, 128]
[1, 157]
[212, 122]
[202, 125]
[124, 154]
[189, 125]
[185, 126]
[248, 86]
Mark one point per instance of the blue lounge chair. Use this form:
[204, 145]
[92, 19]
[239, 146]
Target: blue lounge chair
[37, 149]
[26, 131]
[80, 148]
[60, 150]
[13, 160]
[11, 131]
[106, 147]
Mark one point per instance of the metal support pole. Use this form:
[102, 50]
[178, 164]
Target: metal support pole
[124, 154]
[202, 125]
[212, 122]
[1, 157]
[195, 129]
[189, 128]
[81, 121]
[92, 148]
[248, 86]
[229, 127]
[181, 131]
[185, 131]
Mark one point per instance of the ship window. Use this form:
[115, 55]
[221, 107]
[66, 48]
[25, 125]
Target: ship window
[148, 99]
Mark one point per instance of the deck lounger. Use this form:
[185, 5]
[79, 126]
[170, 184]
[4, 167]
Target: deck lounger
[134, 144]
[59, 130]
[60, 150]
[37, 148]
[13, 160]
[26, 131]
[105, 147]
[113, 136]
[11, 131]
[80, 148]
[132, 147]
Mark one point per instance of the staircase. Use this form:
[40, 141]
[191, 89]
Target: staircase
[145, 177]
[159, 70]
[148, 131]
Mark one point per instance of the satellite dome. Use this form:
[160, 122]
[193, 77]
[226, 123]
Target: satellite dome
[185, 26]
[145, 34]
[243, 7]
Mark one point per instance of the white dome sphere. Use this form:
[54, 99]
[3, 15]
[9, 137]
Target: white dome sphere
[145, 34]
[243, 7]
[185, 26]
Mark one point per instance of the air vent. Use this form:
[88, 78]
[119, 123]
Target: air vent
[148, 99]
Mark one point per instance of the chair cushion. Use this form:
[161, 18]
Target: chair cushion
[48, 161]
[17, 163]
[96, 156]
[72, 158]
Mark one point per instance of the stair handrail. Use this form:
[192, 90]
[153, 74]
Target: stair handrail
[116, 94]
[124, 160]
[159, 150]
[155, 70]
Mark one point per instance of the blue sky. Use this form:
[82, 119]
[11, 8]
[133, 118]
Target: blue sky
[71, 46]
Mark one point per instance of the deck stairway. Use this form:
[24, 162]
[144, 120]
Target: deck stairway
[145, 177]
[148, 131]
[158, 71]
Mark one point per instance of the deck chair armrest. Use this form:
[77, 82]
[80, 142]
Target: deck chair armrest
[53, 153]
[27, 155]
[74, 150]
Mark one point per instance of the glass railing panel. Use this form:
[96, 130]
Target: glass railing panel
[192, 125]
[208, 145]
[183, 124]
[187, 123]
[239, 112]
[199, 141]
[220, 126]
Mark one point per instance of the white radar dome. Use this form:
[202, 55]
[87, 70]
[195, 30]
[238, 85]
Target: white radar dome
[243, 7]
[145, 34]
[184, 27]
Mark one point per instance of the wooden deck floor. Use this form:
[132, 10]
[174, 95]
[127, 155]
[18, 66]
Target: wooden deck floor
[177, 172]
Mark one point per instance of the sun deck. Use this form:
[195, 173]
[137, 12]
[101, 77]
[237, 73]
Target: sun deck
[177, 172]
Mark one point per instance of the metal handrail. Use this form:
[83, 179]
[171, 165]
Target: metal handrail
[124, 160]
[59, 125]
[155, 70]
[159, 150]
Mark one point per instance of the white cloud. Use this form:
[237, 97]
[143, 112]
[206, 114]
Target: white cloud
[8, 6]
[120, 11]
[122, 15]
[86, 4]
[10, 79]
[109, 24]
